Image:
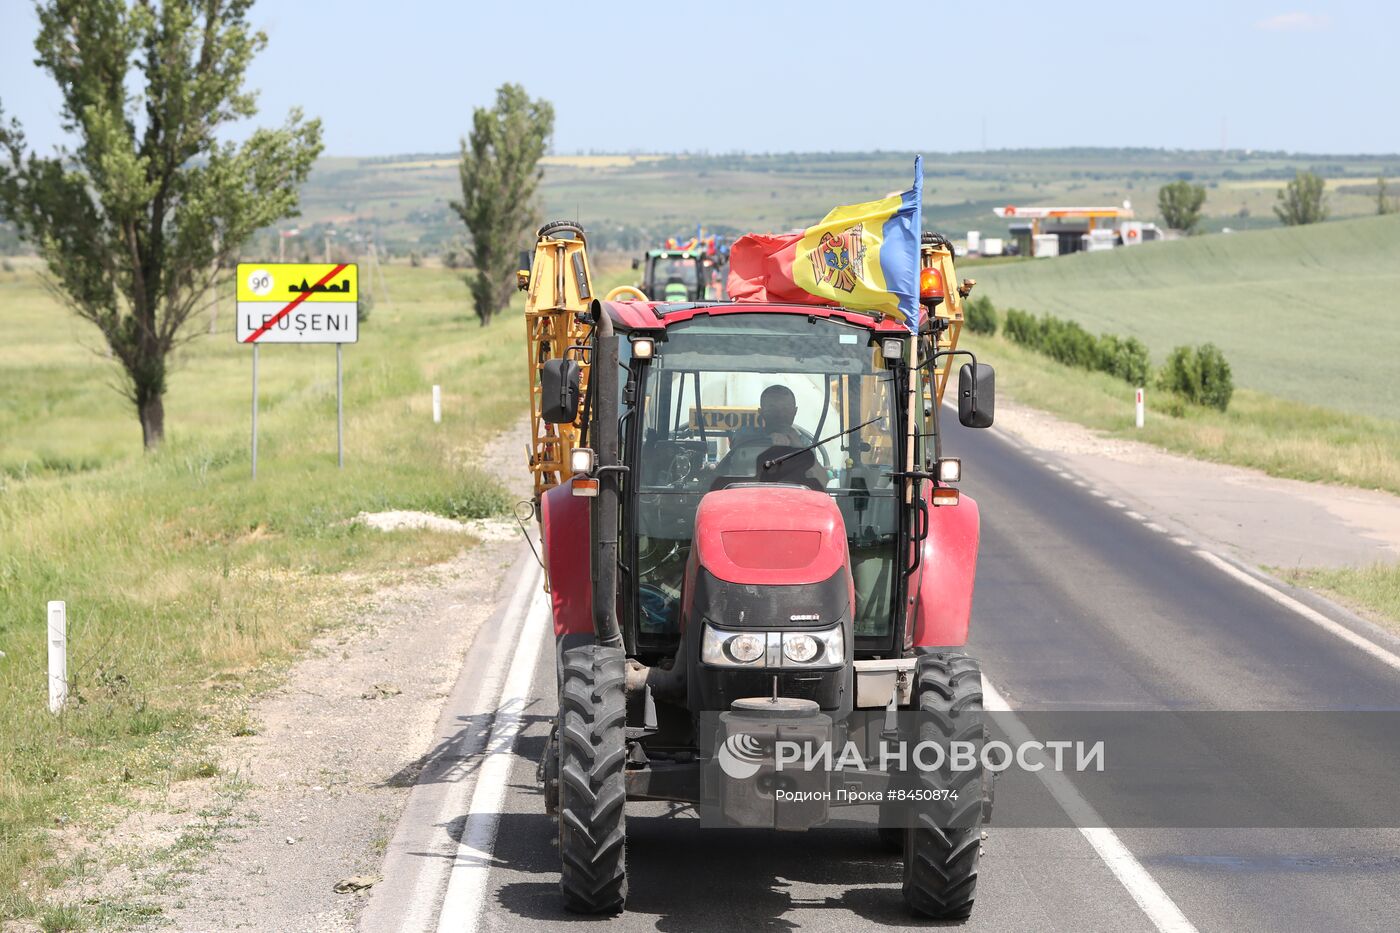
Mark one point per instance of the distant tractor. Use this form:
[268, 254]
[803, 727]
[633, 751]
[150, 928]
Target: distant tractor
[750, 533]
[693, 271]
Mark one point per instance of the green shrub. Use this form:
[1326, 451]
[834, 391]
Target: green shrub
[1123, 357]
[1199, 374]
[1022, 328]
[1066, 342]
[980, 316]
[363, 306]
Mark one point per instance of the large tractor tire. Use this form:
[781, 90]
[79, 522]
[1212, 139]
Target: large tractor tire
[592, 787]
[942, 849]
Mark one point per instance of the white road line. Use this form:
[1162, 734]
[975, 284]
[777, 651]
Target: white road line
[434, 875]
[1307, 612]
[1081, 484]
[466, 886]
[1135, 516]
[1184, 542]
[1099, 493]
[1153, 901]
[1115, 503]
[1153, 526]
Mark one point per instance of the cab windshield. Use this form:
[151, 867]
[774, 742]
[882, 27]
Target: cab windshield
[674, 278]
[726, 393]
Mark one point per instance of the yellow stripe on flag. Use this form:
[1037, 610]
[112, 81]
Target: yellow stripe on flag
[839, 258]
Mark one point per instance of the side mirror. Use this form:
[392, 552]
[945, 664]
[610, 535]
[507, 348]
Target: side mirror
[559, 390]
[636, 263]
[527, 259]
[977, 397]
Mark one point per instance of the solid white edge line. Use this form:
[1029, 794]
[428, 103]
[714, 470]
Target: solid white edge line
[466, 886]
[434, 875]
[1307, 612]
[1155, 903]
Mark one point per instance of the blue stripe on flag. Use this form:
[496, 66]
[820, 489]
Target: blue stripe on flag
[899, 251]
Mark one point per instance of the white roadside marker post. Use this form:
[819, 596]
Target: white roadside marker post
[437, 404]
[58, 655]
[1139, 408]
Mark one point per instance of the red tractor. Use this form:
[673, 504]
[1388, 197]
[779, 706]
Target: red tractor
[755, 538]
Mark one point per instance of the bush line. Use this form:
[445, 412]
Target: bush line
[1198, 374]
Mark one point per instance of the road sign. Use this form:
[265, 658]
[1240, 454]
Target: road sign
[287, 302]
[290, 302]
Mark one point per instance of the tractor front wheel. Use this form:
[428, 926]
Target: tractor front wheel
[942, 849]
[592, 787]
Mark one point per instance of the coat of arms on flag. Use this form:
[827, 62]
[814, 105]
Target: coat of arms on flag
[838, 258]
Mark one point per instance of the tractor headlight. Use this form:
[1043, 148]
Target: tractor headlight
[745, 648]
[800, 648]
[830, 647]
[730, 649]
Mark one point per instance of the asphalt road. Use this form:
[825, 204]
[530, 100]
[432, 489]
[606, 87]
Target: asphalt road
[1080, 604]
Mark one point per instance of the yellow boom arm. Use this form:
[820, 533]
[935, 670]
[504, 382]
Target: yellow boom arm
[558, 290]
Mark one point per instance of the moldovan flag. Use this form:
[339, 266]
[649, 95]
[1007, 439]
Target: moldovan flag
[861, 256]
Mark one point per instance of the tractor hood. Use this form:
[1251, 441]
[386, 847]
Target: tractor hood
[769, 556]
[769, 534]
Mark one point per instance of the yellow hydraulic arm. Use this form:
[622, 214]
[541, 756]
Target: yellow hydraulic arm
[558, 290]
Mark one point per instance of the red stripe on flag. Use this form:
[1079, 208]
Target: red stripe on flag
[295, 301]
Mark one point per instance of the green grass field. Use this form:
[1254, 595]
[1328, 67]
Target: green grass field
[178, 570]
[1310, 314]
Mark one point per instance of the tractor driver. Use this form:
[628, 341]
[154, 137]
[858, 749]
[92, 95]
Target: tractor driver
[777, 408]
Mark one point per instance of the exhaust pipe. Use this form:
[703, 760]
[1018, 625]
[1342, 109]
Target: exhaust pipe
[603, 388]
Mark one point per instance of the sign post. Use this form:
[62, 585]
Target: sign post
[1139, 412]
[339, 406]
[299, 303]
[255, 411]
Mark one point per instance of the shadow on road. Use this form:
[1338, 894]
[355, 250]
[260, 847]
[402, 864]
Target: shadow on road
[683, 877]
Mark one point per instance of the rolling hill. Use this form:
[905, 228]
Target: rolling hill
[1307, 313]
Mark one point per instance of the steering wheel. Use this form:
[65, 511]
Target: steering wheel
[677, 462]
[626, 293]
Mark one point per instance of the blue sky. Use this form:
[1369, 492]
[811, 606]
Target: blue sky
[792, 76]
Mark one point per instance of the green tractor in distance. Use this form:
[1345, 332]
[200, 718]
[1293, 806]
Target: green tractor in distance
[679, 272]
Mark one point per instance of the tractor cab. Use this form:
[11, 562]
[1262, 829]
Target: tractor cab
[722, 397]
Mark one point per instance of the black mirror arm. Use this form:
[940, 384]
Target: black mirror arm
[968, 353]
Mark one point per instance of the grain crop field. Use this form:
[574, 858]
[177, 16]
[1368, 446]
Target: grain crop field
[1310, 313]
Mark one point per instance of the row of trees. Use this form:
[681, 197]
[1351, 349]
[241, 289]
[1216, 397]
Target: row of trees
[146, 213]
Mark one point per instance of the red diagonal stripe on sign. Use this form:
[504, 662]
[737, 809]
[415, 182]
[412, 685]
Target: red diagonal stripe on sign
[295, 301]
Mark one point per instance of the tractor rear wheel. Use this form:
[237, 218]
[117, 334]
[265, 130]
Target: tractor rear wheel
[592, 787]
[942, 849]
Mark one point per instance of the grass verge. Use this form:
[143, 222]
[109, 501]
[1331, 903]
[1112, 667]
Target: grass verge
[1373, 590]
[188, 585]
